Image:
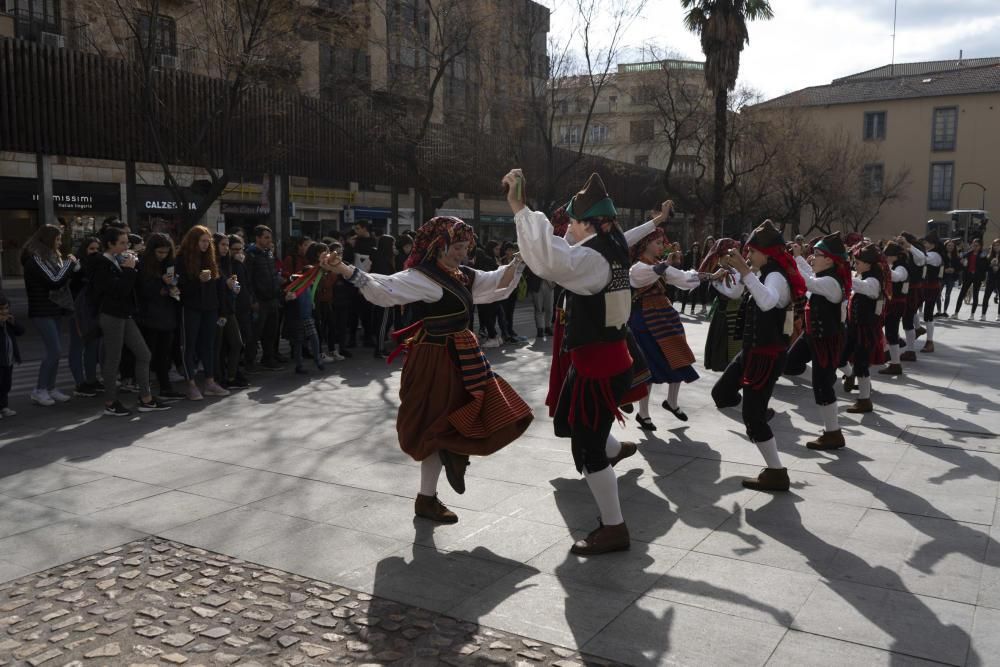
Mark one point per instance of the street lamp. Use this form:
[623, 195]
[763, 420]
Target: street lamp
[962, 187]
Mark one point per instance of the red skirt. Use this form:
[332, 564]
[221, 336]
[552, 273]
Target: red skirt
[451, 399]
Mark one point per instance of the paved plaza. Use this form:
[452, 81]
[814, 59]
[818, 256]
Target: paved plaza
[883, 553]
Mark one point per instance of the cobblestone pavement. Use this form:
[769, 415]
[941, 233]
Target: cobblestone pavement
[157, 602]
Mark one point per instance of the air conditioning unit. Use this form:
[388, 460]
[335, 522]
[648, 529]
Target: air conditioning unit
[167, 61]
[52, 39]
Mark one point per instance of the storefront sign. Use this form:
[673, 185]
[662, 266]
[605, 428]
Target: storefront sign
[244, 208]
[160, 199]
[22, 194]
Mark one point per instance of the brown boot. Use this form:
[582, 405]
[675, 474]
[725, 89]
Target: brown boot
[603, 540]
[892, 369]
[454, 468]
[627, 450]
[829, 440]
[928, 347]
[769, 479]
[908, 356]
[864, 405]
[920, 332]
[850, 383]
[429, 507]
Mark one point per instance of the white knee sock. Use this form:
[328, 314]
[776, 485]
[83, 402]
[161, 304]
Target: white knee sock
[864, 387]
[769, 450]
[644, 407]
[930, 331]
[604, 487]
[673, 391]
[911, 340]
[830, 421]
[916, 320]
[612, 447]
[430, 471]
[894, 354]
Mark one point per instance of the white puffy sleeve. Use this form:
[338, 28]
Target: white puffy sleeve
[398, 289]
[485, 287]
[578, 269]
[733, 290]
[772, 293]
[900, 274]
[919, 258]
[869, 287]
[934, 259]
[636, 234]
[826, 286]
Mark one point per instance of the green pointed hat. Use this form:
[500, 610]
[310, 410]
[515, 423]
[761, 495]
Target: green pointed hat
[832, 245]
[592, 201]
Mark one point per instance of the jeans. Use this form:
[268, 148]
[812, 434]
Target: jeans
[48, 330]
[82, 357]
[119, 333]
[313, 341]
[265, 332]
[199, 341]
[6, 381]
[969, 282]
[542, 302]
[161, 345]
[228, 348]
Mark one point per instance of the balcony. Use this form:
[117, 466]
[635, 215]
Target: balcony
[58, 33]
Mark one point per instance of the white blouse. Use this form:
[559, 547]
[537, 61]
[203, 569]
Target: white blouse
[869, 287]
[642, 275]
[410, 286]
[826, 286]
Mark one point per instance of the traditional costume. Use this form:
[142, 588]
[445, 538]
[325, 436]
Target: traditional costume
[766, 321]
[824, 331]
[594, 273]
[915, 262]
[452, 404]
[723, 341]
[871, 292]
[657, 327]
[896, 258]
[932, 286]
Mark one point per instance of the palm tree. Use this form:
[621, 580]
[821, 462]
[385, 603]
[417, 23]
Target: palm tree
[722, 26]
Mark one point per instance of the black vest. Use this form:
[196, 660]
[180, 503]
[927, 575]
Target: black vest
[916, 272]
[601, 317]
[760, 328]
[863, 309]
[932, 273]
[899, 290]
[450, 314]
[824, 317]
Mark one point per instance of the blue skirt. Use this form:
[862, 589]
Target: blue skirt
[666, 323]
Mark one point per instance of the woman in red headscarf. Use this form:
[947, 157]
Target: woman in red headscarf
[452, 404]
[723, 340]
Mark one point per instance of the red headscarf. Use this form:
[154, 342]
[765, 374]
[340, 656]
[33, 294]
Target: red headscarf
[646, 241]
[560, 221]
[437, 234]
[784, 259]
[721, 248]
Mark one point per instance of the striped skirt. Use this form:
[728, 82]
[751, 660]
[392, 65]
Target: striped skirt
[660, 335]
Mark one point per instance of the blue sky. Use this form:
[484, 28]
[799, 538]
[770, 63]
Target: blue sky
[811, 42]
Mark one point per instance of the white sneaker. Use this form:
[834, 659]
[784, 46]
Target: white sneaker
[41, 397]
[982, 318]
[325, 358]
[491, 343]
[58, 396]
[337, 356]
[7, 412]
[972, 317]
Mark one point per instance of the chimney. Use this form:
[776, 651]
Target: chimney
[960, 52]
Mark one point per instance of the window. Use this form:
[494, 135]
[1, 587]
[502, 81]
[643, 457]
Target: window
[945, 129]
[564, 107]
[874, 125]
[164, 41]
[942, 183]
[569, 134]
[642, 160]
[599, 134]
[643, 95]
[580, 106]
[874, 179]
[34, 16]
[641, 130]
[341, 65]
[613, 103]
[685, 166]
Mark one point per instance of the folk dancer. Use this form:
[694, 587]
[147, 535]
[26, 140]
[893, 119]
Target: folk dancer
[915, 262]
[872, 289]
[723, 340]
[452, 404]
[895, 257]
[932, 285]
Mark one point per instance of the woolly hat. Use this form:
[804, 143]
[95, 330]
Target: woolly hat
[893, 249]
[868, 253]
[592, 201]
[766, 236]
[832, 245]
[910, 238]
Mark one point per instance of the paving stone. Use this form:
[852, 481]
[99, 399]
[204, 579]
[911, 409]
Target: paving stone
[107, 651]
[215, 633]
[174, 658]
[41, 659]
[147, 651]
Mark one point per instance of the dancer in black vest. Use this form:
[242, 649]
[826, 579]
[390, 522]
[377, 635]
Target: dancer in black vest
[452, 403]
[594, 272]
[895, 257]
[915, 261]
[871, 291]
[931, 292]
[828, 279]
[766, 323]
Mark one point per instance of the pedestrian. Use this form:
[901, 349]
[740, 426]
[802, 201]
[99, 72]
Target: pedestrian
[505, 314]
[952, 272]
[974, 264]
[657, 327]
[266, 287]
[300, 323]
[992, 277]
[692, 259]
[594, 273]
[724, 339]
[46, 280]
[383, 263]
[202, 290]
[114, 287]
[158, 317]
[540, 291]
[83, 350]
[9, 354]
[243, 304]
[228, 339]
[295, 262]
[452, 404]
[767, 324]
[488, 260]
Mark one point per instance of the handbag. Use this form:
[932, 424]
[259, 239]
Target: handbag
[62, 297]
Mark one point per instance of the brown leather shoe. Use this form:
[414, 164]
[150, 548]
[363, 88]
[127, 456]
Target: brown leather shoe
[892, 369]
[454, 468]
[908, 356]
[928, 347]
[920, 332]
[829, 440]
[850, 383]
[627, 450]
[429, 507]
[769, 479]
[603, 540]
[862, 406]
